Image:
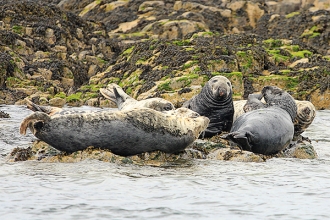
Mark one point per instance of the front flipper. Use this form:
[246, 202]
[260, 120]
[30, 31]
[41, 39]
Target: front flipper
[241, 138]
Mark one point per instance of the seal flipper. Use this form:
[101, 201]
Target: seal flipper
[118, 96]
[37, 108]
[119, 99]
[254, 102]
[241, 138]
[35, 122]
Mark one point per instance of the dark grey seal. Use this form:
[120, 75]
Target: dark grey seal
[117, 95]
[125, 132]
[306, 111]
[215, 102]
[266, 130]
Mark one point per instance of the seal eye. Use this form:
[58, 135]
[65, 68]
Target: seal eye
[168, 107]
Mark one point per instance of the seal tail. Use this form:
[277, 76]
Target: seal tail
[37, 108]
[35, 121]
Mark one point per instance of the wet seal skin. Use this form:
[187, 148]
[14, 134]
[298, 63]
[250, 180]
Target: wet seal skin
[306, 113]
[266, 130]
[215, 102]
[126, 132]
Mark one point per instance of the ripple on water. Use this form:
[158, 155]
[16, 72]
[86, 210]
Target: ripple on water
[278, 188]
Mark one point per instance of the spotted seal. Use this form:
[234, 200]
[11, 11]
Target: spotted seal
[266, 130]
[215, 102]
[117, 95]
[125, 132]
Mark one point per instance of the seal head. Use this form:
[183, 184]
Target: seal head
[215, 102]
[275, 96]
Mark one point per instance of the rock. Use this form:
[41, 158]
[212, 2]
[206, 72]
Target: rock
[174, 29]
[58, 102]
[235, 155]
[113, 5]
[200, 149]
[321, 100]
[4, 114]
[150, 5]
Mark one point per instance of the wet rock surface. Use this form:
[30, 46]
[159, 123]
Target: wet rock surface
[213, 149]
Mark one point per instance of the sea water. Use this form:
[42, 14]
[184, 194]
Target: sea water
[280, 188]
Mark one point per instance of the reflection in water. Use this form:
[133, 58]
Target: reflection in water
[278, 188]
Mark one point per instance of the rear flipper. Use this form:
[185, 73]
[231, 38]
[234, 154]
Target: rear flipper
[37, 108]
[241, 138]
[115, 93]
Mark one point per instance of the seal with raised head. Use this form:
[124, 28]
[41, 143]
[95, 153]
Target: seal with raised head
[305, 116]
[125, 132]
[117, 95]
[266, 130]
[215, 102]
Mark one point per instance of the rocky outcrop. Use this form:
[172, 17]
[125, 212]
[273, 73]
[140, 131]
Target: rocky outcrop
[200, 149]
[62, 52]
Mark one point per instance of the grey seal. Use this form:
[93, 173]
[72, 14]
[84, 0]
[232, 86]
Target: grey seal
[117, 95]
[266, 130]
[306, 111]
[125, 132]
[215, 102]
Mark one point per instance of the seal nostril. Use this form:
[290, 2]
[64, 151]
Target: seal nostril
[38, 125]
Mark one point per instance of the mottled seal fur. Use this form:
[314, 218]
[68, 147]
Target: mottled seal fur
[266, 130]
[117, 95]
[215, 102]
[125, 132]
[305, 116]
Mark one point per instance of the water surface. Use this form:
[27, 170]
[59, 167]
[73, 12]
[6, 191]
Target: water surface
[204, 189]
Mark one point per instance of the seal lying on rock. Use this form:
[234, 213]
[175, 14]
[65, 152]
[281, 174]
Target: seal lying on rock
[117, 95]
[126, 132]
[266, 130]
[215, 102]
[305, 113]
